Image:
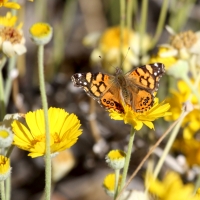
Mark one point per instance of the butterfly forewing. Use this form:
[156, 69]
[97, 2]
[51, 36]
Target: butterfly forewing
[101, 87]
[95, 84]
[146, 77]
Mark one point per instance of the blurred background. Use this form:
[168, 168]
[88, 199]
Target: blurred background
[78, 27]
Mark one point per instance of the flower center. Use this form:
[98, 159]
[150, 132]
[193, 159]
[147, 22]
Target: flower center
[10, 34]
[116, 154]
[54, 138]
[186, 39]
[39, 138]
[4, 134]
[40, 30]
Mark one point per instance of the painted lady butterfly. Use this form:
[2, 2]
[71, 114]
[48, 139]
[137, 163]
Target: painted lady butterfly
[135, 88]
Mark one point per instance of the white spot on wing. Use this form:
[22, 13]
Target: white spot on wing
[156, 64]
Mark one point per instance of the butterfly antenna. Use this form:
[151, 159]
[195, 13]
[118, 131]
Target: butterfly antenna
[112, 66]
[125, 57]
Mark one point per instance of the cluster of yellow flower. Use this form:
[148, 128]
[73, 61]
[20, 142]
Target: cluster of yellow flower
[182, 58]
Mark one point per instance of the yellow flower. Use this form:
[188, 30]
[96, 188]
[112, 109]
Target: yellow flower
[198, 193]
[108, 48]
[175, 102]
[185, 91]
[11, 38]
[64, 131]
[116, 159]
[12, 5]
[190, 148]
[5, 168]
[8, 20]
[41, 33]
[190, 123]
[109, 184]
[171, 188]
[164, 55]
[6, 136]
[137, 120]
[187, 143]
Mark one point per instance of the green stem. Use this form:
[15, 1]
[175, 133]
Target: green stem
[9, 151]
[129, 13]
[14, 11]
[8, 188]
[192, 64]
[135, 10]
[169, 144]
[128, 157]
[2, 94]
[2, 98]
[161, 22]
[179, 13]
[197, 184]
[142, 27]
[41, 8]
[116, 182]
[45, 108]
[2, 191]
[122, 25]
[9, 80]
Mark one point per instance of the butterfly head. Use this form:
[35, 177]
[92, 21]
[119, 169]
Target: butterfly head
[118, 71]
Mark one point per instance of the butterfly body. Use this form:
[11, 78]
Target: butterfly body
[134, 88]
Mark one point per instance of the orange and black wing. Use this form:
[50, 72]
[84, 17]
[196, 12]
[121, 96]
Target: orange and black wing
[142, 83]
[146, 77]
[100, 87]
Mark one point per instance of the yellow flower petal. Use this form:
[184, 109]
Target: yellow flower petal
[138, 119]
[11, 5]
[5, 168]
[165, 56]
[171, 188]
